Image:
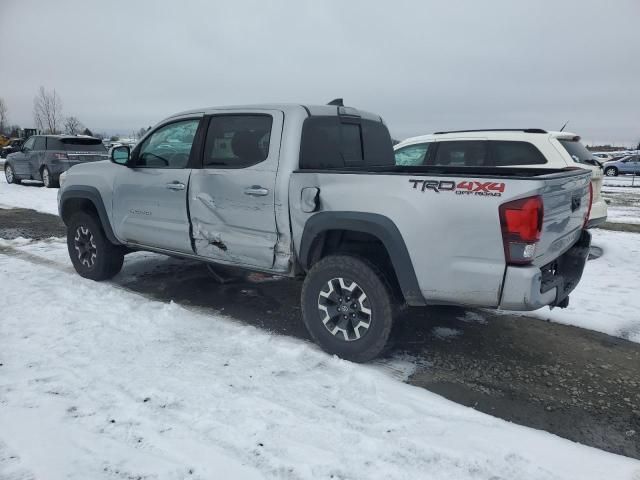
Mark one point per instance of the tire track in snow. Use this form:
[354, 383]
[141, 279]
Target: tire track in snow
[35, 259]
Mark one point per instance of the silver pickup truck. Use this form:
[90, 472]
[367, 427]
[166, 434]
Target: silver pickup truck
[313, 192]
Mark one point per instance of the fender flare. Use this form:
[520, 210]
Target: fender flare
[93, 195]
[374, 224]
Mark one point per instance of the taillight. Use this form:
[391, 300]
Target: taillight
[586, 218]
[60, 156]
[521, 222]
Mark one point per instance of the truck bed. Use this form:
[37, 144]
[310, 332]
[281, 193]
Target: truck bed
[453, 234]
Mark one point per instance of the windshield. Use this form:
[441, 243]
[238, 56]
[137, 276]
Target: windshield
[578, 152]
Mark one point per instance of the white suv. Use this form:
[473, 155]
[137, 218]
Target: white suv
[534, 148]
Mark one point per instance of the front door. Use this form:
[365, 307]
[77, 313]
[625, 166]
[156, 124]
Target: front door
[232, 197]
[20, 160]
[150, 198]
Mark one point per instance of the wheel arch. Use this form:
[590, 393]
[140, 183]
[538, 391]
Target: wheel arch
[87, 199]
[375, 225]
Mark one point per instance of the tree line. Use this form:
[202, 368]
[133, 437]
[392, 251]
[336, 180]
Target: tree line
[49, 119]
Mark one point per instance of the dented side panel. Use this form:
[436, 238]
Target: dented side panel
[233, 210]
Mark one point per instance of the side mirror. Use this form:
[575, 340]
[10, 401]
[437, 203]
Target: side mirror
[120, 154]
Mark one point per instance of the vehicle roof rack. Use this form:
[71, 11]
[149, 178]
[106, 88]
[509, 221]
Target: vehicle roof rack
[526, 130]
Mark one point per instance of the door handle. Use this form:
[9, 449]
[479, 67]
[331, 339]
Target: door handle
[256, 191]
[175, 186]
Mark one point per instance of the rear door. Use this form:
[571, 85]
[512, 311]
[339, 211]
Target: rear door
[150, 198]
[36, 157]
[232, 196]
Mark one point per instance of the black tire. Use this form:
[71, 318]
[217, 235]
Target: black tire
[361, 346]
[92, 254]
[611, 172]
[47, 178]
[10, 174]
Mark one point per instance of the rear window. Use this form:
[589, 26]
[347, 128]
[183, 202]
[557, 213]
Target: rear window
[485, 153]
[334, 142]
[76, 144]
[505, 154]
[578, 152]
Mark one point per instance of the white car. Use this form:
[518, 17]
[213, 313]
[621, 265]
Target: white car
[531, 147]
[602, 156]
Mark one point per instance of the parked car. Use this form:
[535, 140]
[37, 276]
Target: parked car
[14, 145]
[314, 192]
[45, 157]
[602, 156]
[626, 165]
[526, 148]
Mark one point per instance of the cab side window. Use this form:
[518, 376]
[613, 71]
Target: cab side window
[237, 141]
[169, 146]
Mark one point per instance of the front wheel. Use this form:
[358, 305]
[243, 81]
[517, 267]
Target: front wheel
[611, 172]
[10, 174]
[47, 178]
[347, 307]
[92, 254]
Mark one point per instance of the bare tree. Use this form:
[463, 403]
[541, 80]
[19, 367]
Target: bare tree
[72, 126]
[3, 115]
[47, 111]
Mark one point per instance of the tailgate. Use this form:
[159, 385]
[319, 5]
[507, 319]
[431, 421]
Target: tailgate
[566, 203]
[80, 157]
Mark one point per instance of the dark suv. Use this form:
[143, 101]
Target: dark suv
[45, 157]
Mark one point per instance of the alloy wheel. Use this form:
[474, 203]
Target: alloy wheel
[344, 309]
[45, 177]
[85, 246]
[8, 172]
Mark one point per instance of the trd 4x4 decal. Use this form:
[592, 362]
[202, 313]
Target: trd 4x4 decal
[466, 187]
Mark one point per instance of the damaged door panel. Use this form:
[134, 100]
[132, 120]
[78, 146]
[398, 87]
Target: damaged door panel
[232, 198]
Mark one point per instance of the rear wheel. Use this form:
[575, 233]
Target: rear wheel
[347, 307]
[92, 254]
[10, 174]
[47, 178]
[611, 172]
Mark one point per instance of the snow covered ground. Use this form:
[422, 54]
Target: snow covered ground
[623, 196]
[98, 382]
[30, 195]
[606, 299]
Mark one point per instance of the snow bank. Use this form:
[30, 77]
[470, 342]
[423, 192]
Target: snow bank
[29, 195]
[98, 382]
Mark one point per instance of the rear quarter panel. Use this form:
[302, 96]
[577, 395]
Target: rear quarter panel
[454, 238]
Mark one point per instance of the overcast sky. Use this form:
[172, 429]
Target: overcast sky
[422, 65]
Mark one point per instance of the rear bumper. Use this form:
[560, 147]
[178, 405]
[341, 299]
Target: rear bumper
[530, 288]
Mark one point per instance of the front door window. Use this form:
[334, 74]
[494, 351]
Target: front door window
[169, 146]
